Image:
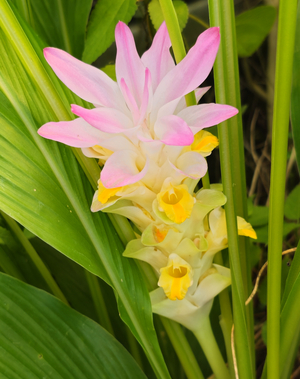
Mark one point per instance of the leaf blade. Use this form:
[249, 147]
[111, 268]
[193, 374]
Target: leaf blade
[101, 27]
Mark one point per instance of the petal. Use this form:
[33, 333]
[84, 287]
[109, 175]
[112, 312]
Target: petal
[88, 82]
[128, 63]
[130, 101]
[121, 169]
[206, 115]
[107, 120]
[165, 110]
[118, 142]
[158, 58]
[152, 255]
[172, 130]
[191, 71]
[198, 93]
[211, 285]
[147, 97]
[191, 164]
[76, 133]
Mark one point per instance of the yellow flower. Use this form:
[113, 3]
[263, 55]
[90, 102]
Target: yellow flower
[176, 278]
[204, 143]
[104, 194]
[176, 202]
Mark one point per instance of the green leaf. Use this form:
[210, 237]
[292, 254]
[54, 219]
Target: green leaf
[42, 337]
[295, 99]
[101, 27]
[157, 17]
[60, 24]
[44, 189]
[259, 216]
[262, 231]
[252, 27]
[292, 204]
[290, 321]
[110, 70]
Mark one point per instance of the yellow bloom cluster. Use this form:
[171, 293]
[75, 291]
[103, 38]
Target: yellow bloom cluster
[181, 231]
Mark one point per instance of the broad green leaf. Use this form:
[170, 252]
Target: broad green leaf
[44, 189]
[42, 337]
[259, 216]
[101, 27]
[60, 23]
[157, 17]
[295, 99]
[292, 204]
[252, 27]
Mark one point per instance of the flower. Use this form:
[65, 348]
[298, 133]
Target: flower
[197, 303]
[140, 125]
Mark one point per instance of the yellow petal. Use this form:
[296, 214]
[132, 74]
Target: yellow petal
[176, 202]
[176, 278]
[245, 229]
[106, 193]
[204, 142]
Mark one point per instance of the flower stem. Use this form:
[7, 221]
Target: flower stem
[206, 338]
[206, 181]
[171, 19]
[182, 348]
[282, 97]
[175, 333]
[226, 74]
[226, 317]
[35, 257]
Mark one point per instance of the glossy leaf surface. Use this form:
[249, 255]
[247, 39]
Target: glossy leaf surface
[42, 337]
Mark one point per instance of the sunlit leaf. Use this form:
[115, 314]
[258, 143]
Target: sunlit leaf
[60, 24]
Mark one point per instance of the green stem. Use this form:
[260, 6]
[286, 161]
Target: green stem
[99, 302]
[206, 181]
[225, 304]
[226, 76]
[282, 97]
[171, 19]
[197, 19]
[182, 348]
[206, 338]
[35, 257]
[226, 317]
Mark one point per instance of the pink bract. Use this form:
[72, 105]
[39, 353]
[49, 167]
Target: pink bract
[145, 105]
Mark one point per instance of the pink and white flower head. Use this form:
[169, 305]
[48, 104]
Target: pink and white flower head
[141, 122]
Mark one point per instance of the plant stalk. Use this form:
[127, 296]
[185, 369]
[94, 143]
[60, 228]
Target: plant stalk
[282, 98]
